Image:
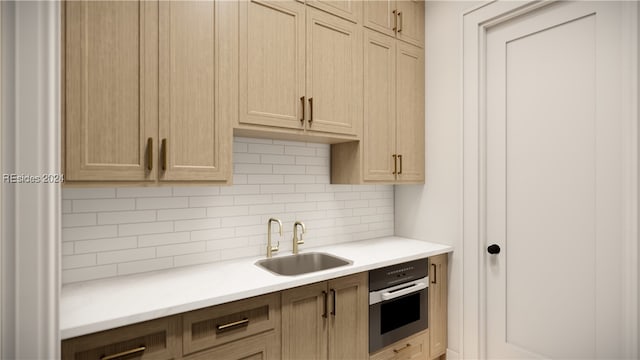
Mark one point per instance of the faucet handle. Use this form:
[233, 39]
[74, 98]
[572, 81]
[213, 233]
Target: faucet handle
[295, 231]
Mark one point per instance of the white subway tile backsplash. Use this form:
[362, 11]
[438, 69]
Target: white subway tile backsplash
[89, 232]
[88, 193]
[66, 206]
[299, 150]
[181, 249]
[78, 261]
[112, 257]
[196, 191]
[222, 211]
[181, 214]
[87, 246]
[116, 231]
[213, 234]
[143, 192]
[162, 203]
[88, 273]
[266, 149]
[265, 179]
[126, 217]
[158, 227]
[198, 224]
[103, 205]
[163, 239]
[206, 201]
[278, 159]
[73, 220]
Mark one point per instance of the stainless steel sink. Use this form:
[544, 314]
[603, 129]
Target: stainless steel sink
[302, 263]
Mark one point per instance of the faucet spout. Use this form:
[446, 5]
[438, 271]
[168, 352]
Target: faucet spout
[297, 241]
[272, 249]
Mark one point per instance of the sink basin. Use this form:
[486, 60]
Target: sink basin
[302, 263]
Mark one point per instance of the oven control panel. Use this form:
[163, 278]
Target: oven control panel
[397, 274]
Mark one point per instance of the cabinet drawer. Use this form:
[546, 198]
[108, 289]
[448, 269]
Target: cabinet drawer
[217, 325]
[155, 339]
[415, 348]
[265, 346]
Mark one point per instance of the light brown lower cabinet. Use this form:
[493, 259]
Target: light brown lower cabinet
[156, 339]
[415, 347]
[327, 320]
[438, 305]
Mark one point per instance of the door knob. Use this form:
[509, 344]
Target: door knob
[493, 249]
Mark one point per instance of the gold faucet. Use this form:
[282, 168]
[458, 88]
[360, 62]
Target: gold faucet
[272, 249]
[297, 242]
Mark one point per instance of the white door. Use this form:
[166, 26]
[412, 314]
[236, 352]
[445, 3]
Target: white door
[554, 176]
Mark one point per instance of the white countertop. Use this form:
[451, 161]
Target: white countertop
[98, 305]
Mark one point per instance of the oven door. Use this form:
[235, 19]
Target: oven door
[397, 312]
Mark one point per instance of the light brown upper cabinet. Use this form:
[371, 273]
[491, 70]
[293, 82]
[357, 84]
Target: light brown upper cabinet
[347, 9]
[300, 70]
[403, 19]
[392, 146]
[327, 320]
[110, 90]
[394, 110]
[195, 143]
[144, 91]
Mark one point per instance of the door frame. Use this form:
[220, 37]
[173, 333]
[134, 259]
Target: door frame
[476, 22]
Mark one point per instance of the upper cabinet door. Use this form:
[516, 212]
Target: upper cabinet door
[272, 63]
[334, 74]
[410, 21]
[192, 134]
[410, 113]
[110, 90]
[347, 9]
[380, 16]
[379, 137]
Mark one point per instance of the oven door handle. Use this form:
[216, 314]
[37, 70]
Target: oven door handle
[397, 293]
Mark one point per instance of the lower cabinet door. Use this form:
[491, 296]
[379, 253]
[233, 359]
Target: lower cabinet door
[412, 348]
[155, 339]
[259, 347]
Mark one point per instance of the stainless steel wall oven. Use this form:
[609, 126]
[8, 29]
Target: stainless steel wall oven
[397, 302]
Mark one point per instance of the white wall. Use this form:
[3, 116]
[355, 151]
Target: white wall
[118, 231]
[433, 212]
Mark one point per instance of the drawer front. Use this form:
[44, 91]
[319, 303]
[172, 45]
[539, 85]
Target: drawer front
[412, 348]
[155, 339]
[217, 325]
[265, 346]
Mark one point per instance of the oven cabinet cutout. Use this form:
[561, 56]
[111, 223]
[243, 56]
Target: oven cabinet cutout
[414, 347]
[438, 305]
[326, 320]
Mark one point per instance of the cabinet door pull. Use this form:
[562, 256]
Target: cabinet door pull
[310, 110]
[141, 348]
[302, 103]
[333, 308]
[400, 158]
[400, 16]
[150, 154]
[395, 21]
[164, 154]
[232, 325]
[324, 295]
[435, 274]
[401, 349]
[395, 164]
